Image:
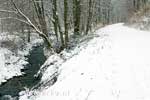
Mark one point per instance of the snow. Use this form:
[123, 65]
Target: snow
[10, 65]
[54, 61]
[113, 66]
[13, 60]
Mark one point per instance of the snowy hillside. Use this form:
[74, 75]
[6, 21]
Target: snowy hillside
[113, 66]
[10, 65]
[12, 55]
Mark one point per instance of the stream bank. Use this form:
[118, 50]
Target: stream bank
[10, 90]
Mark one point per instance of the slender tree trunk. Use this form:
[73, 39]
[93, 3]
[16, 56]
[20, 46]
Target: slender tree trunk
[29, 33]
[89, 19]
[77, 15]
[55, 19]
[66, 22]
[2, 27]
[39, 8]
[57, 26]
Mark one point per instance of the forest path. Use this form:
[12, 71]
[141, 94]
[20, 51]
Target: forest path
[125, 65]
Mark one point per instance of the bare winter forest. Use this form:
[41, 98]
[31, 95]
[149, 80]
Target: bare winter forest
[45, 44]
[61, 18]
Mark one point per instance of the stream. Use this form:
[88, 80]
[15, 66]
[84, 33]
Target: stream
[12, 87]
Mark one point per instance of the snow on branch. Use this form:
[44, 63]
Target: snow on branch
[15, 19]
[26, 19]
[8, 11]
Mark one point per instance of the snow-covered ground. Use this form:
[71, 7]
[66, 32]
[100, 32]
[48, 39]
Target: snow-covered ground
[10, 65]
[12, 58]
[113, 66]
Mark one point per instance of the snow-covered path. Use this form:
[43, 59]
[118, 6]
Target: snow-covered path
[129, 65]
[113, 67]
[126, 65]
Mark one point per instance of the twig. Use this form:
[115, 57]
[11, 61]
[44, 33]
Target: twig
[88, 94]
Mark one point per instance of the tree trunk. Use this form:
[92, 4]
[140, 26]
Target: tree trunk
[66, 22]
[29, 33]
[55, 19]
[76, 14]
[39, 8]
[57, 25]
[88, 26]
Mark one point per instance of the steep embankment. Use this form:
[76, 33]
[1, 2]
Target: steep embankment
[114, 66]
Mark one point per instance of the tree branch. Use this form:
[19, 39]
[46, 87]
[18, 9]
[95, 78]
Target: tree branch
[27, 19]
[8, 11]
[15, 19]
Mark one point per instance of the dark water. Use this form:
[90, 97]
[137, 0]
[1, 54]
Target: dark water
[13, 86]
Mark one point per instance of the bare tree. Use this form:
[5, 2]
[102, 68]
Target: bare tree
[77, 15]
[66, 22]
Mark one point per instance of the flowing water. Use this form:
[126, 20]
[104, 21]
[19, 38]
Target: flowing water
[17, 84]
